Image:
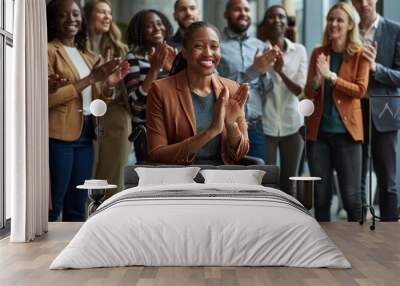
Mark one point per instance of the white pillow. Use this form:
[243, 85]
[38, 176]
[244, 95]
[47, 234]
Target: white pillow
[166, 176]
[248, 177]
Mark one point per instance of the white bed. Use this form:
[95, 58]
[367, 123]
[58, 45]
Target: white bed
[222, 225]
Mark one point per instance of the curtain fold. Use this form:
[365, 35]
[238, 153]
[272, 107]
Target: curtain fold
[27, 124]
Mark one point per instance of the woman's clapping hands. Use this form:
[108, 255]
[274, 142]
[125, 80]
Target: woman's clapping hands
[162, 57]
[111, 71]
[235, 104]
[56, 81]
[228, 108]
[323, 63]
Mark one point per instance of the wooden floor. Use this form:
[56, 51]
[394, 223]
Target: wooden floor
[374, 255]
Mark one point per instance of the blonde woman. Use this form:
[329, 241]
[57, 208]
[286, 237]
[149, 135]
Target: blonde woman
[337, 79]
[114, 147]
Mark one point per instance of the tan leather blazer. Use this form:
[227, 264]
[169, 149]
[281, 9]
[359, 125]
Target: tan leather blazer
[65, 105]
[350, 86]
[171, 121]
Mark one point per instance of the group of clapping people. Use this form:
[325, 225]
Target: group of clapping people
[208, 97]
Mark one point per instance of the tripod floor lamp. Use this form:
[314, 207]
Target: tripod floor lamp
[394, 114]
[304, 185]
[98, 108]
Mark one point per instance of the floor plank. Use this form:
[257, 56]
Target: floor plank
[374, 255]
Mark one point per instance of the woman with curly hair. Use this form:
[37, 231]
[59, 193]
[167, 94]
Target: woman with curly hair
[150, 58]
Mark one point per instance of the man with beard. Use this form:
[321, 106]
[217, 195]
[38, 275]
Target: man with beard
[246, 59]
[381, 38]
[185, 13]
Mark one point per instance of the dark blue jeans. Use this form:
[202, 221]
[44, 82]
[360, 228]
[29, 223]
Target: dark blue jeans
[71, 163]
[342, 153]
[257, 140]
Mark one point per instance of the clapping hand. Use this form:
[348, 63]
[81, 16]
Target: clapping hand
[119, 74]
[112, 71]
[235, 104]
[323, 63]
[370, 51]
[56, 81]
[162, 57]
[169, 59]
[263, 60]
[217, 125]
[278, 65]
[228, 108]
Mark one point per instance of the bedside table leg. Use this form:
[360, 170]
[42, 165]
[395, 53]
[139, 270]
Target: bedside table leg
[96, 198]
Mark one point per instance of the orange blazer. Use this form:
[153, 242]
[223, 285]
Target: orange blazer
[65, 105]
[350, 86]
[171, 121]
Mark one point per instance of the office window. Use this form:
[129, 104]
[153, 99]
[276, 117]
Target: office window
[9, 15]
[6, 43]
[2, 195]
[7, 84]
[299, 13]
[254, 22]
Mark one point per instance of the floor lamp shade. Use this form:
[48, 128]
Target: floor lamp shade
[98, 107]
[306, 107]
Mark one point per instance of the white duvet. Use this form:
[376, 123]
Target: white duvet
[203, 231]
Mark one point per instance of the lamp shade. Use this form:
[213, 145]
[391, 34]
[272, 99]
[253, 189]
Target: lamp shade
[306, 107]
[98, 107]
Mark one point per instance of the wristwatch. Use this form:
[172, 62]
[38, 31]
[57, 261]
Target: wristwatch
[333, 77]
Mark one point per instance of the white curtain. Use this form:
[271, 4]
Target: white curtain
[27, 124]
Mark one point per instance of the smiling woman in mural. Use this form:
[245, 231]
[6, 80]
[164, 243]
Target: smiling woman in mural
[105, 42]
[150, 59]
[195, 116]
[70, 122]
[337, 79]
[281, 121]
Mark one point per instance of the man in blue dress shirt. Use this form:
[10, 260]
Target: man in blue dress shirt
[247, 59]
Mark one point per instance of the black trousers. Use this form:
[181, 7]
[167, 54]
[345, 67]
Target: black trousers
[290, 151]
[383, 153]
[340, 152]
